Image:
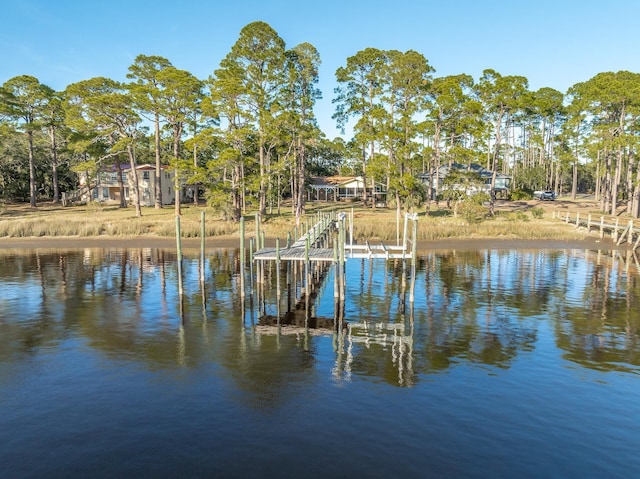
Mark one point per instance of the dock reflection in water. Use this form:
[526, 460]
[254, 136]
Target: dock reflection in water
[506, 357]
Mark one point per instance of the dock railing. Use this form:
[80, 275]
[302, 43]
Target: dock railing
[323, 243]
[621, 230]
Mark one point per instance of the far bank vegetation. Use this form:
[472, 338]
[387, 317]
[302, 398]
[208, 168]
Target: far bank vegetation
[527, 221]
[246, 140]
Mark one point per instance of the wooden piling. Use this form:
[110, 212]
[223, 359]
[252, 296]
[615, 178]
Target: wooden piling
[202, 244]
[242, 258]
[414, 250]
[336, 265]
[351, 230]
[179, 252]
[278, 278]
[307, 289]
[251, 284]
[397, 226]
[341, 259]
[404, 252]
[257, 231]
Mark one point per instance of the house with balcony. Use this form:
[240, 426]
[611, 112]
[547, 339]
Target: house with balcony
[105, 187]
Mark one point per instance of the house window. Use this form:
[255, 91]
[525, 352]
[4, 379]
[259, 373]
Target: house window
[114, 177]
[167, 176]
[145, 175]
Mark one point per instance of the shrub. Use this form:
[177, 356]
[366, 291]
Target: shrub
[515, 216]
[472, 212]
[537, 213]
[521, 195]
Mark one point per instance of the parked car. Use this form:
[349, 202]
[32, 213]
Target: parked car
[548, 195]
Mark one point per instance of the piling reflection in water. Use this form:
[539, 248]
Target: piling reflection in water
[477, 307]
[511, 363]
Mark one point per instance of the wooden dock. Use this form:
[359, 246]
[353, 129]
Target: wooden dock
[322, 246]
[309, 247]
[620, 231]
[294, 254]
[305, 249]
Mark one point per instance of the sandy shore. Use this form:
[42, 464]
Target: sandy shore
[591, 243]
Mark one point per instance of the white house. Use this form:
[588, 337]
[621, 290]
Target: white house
[105, 186]
[340, 188]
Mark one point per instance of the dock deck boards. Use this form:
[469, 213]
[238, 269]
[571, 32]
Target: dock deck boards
[294, 254]
[296, 251]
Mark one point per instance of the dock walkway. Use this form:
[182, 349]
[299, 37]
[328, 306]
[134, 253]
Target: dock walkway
[304, 248]
[320, 248]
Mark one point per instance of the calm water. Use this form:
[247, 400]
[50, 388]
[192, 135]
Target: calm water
[510, 364]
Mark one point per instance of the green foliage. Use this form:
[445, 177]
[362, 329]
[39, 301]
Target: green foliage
[521, 195]
[516, 216]
[14, 168]
[260, 107]
[480, 198]
[463, 185]
[25, 102]
[531, 179]
[249, 88]
[472, 211]
[537, 213]
[326, 157]
[218, 200]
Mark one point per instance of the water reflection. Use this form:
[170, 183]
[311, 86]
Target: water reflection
[506, 357]
[475, 307]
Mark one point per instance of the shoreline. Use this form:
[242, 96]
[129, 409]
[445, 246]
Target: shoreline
[156, 242]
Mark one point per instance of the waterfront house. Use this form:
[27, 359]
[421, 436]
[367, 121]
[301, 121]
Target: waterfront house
[502, 183]
[343, 188]
[105, 187]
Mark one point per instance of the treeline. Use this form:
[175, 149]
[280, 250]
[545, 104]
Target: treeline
[247, 135]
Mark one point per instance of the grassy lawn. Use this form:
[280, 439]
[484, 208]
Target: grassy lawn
[513, 220]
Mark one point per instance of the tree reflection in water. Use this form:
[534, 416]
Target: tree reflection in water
[475, 307]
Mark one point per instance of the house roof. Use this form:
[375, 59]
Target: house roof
[127, 167]
[332, 181]
[337, 181]
[445, 169]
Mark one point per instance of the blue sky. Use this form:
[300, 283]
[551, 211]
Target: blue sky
[553, 43]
